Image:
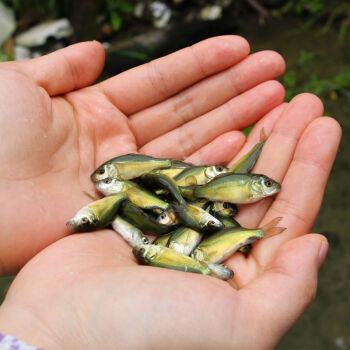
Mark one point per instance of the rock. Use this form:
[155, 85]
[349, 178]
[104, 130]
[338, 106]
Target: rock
[210, 13]
[39, 34]
[7, 23]
[161, 14]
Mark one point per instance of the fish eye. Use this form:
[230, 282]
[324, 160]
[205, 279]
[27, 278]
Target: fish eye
[211, 223]
[84, 220]
[144, 240]
[163, 216]
[108, 180]
[101, 171]
[219, 168]
[268, 183]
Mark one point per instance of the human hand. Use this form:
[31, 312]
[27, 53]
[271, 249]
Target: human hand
[55, 130]
[87, 291]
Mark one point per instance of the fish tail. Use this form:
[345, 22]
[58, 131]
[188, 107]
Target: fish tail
[270, 229]
[263, 136]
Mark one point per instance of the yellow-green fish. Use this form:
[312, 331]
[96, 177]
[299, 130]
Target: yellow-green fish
[199, 175]
[128, 232]
[184, 240]
[97, 214]
[221, 245]
[144, 221]
[247, 162]
[129, 166]
[158, 256]
[136, 194]
[162, 240]
[197, 218]
[238, 188]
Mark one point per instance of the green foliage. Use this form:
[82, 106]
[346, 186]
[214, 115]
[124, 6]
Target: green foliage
[116, 9]
[325, 12]
[300, 78]
[4, 56]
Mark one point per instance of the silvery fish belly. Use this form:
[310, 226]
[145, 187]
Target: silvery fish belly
[199, 175]
[238, 188]
[129, 232]
[129, 166]
[158, 256]
[184, 240]
[97, 214]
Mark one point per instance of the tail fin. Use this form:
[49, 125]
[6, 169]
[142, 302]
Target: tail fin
[270, 229]
[263, 136]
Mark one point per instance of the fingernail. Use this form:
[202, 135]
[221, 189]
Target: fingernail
[322, 252]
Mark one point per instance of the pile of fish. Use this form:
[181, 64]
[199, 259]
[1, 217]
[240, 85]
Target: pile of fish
[190, 209]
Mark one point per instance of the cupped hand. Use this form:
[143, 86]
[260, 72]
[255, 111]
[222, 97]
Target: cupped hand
[55, 130]
[87, 291]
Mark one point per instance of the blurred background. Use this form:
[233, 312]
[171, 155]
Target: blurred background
[312, 35]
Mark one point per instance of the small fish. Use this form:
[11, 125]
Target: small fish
[166, 182]
[199, 175]
[177, 167]
[197, 218]
[137, 195]
[247, 162]
[228, 222]
[221, 271]
[238, 188]
[129, 166]
[158, 256]
[129, 232]
[184, 240]
[221, 245]
[97, 214]
[223, 209]
[167, 218]
[143, 221]
[162, 240]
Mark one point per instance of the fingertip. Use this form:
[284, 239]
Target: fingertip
[310, 100]
[272, 61]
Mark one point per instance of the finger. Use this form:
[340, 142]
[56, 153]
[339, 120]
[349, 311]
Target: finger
[267, 123]
[236, 114]
[65, 70]
[303, 186]
[206, 95]
[283, 292]
[155, 81]
[220, 150]
[278, 150]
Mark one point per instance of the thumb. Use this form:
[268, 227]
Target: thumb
[286, 288]
[65, 70]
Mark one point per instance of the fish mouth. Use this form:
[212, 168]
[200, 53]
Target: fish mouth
[71, 226]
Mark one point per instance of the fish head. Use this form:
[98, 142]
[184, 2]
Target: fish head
[215, 170]
[109, 186]
[104, 171]
[146, 252]
[85, 220]
[262, 186]
[167, 217]
[211, 223]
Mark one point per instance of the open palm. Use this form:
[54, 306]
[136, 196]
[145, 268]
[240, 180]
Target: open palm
[189, 105]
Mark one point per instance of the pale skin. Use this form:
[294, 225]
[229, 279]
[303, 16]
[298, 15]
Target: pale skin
[86, 290]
